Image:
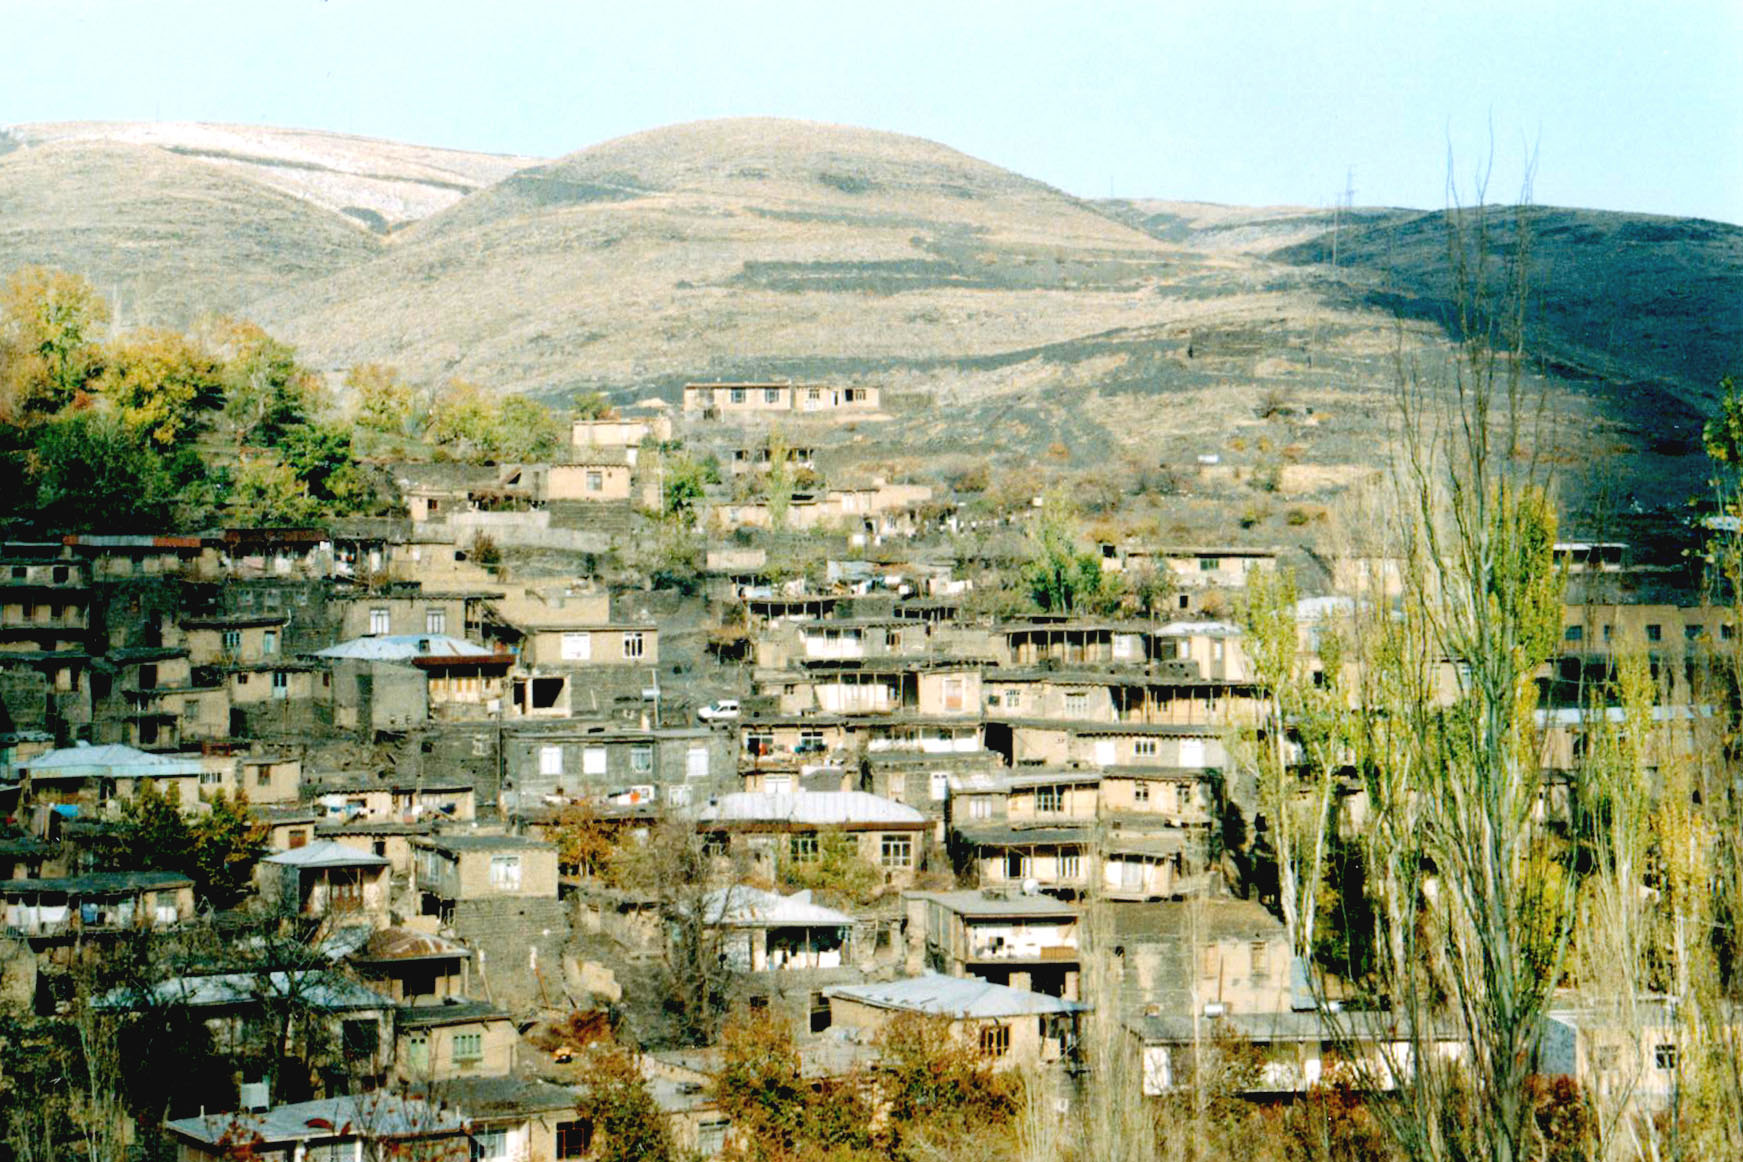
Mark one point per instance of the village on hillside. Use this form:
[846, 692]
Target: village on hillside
[418, 833]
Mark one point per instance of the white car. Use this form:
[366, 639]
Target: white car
[718, 711]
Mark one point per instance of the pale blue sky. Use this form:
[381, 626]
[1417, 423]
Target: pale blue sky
[1629, 105]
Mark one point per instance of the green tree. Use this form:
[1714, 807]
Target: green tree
[1059, 577]
[162, 383]
[593, 405]
[322, 458]
[266, 493]
[89, 471]
[224, 845]
[383, 401]
[526, 429]
[686, 481]
[50, 326]
[154, 835]
[627, 1123]
[267, 393]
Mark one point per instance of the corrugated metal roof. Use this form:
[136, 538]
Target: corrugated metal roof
[109, 757]
[402, 647]
[741, 906]
[326, 853]
[317, 988]
[812, 807]
[959, 998]
[370, 1116]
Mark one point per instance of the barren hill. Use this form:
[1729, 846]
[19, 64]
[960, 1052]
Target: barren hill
[165, 237]
[1004, 317]
[381, 185]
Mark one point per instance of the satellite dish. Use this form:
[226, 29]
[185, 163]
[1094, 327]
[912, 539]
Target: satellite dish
[1031, 886]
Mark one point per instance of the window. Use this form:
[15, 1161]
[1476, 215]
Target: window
[488, 1145]
[1727, 632]
[595, 480]
[574, 1139]
[269, 641]
[280, 684]
[1070, 866]
[711, 1136]
[1144, 748]
[952, 694]
[360, 1038]
[1609, 632]
[980, 807]
[505, 873]
[696, 763]
[1013, 699]
[1574, 633]
[641, 758]
[995, 1040]
[1140, 792]
[577, 647]
[1076, 703]
[593, 760]
[297, 837]
[231, 641]
[632, 645]
[263, 775]
[897, 852]
[60, 574]
[550, 760]
[211, 778]
[1048, 800]
[803, 847]
[771, 395]
[435, 621]
[19, 572]
[380, 622]
[938, 786]
[1694, 633]
[1260, 953]
[1664, 1056]
[1207, 564]
[737, 395]
[1654, 633]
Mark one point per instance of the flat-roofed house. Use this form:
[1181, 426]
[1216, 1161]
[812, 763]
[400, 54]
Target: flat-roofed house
[1009, 1028]
[1027, 942]
[774, 829]
[325, 878]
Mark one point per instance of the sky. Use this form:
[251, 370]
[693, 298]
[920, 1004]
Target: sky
[1623, 105]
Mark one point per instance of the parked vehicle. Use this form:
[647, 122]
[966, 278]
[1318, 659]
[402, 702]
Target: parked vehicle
[725, 708]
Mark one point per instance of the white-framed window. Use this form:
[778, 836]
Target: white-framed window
[595, 480]
[980, 807]
[467, 1047]
[269, 641]
[1048, 800]
[489, 1145]
[550, 760]
[633, 644]
[1076, 702]
[939, 786]
[577, 647]
[771, 395]
[803, 847]
[737, 395]
[505, 873]
[380, 622]
[436, 621]
[678, 795]
[641, 758]
[1070, 865]
[952, 694]
[696, 763]
[231, 641]
[593, 760]
[1140, 792]
[1013, 699]
[1144, 748]
[897, 851]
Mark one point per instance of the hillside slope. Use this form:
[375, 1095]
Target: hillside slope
[167, 238]
[381, 185]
